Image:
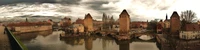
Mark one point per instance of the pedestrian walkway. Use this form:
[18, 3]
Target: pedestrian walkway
[4, 41]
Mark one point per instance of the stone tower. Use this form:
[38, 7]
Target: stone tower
[88, 23]
[175, 23]
[124, 22]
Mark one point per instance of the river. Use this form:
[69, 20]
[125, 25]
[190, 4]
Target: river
[50, 40]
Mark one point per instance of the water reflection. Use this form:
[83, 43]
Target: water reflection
[123, 45]
[179, 44]
[32, 35]
[52, 41]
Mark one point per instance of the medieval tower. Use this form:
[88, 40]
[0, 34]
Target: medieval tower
[175, 23]
[88, 23]
[124, 22]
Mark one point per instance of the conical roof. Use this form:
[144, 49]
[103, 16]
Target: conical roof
[88, 16]
[175, 14]
[124, 12]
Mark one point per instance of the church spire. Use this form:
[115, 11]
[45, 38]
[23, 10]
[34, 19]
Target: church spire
[166, 17]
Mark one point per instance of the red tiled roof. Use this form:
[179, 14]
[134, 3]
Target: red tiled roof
[192, 27]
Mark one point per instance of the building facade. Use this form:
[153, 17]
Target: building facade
[190, 31]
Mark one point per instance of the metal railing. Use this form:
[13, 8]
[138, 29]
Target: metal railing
[14, 42]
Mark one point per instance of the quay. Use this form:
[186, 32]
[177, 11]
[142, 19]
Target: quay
[8, 41]
[4, 42]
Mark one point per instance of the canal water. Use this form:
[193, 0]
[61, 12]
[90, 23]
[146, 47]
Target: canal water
[50, 40]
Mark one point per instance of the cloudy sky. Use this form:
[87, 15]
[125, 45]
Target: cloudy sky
[137, 9]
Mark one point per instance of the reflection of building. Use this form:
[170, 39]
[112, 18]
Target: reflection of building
[27, 36]
[88, 43]
[88, 23]
[73, 40]
[123, 45]
[32, 35]
[124, 22]
[177, 44]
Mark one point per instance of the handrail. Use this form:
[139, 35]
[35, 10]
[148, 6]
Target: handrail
[14, 42]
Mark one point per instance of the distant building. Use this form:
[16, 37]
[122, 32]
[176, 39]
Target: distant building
[77, 28]
[160, 26]
[198, 22]
[107, 22]
[139, 24]
[115, 27]
[65, 22]
[97, 25]
[50, 21]
[175, 24]
[88, 23]
[79, 21]
[124, 22]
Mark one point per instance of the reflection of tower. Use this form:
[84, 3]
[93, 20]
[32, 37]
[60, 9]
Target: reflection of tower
[123, 45]
[88, 43]
[104, 44]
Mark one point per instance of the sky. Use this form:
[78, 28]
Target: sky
[139, 10]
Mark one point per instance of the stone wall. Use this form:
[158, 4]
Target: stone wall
[32, 28]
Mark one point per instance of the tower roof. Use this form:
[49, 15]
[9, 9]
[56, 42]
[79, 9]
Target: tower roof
[88, 16]
[124, 12]
[175, 14]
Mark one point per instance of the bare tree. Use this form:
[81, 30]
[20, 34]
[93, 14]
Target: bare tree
[188, 16]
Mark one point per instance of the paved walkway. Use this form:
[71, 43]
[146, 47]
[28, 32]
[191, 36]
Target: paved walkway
[4, 42]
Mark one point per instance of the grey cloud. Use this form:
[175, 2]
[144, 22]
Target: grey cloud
[3, 2]
[96, 5]
[153, 4]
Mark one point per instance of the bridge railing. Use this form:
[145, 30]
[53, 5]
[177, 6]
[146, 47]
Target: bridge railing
[14, 42]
